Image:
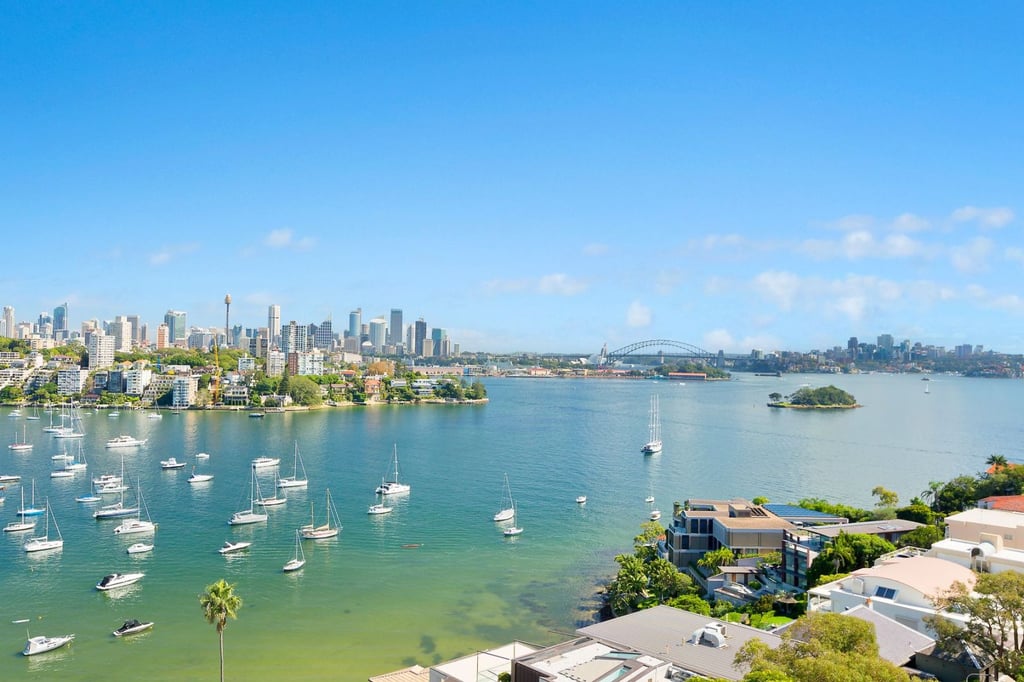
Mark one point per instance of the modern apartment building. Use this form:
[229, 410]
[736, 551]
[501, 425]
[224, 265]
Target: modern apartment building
[177, 326]
[700, 526]
[101, 351]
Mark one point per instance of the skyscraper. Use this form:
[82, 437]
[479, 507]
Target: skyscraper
[274, 323]
[177, 326]
[395, 330]
[323, 337]
[137, 330]
[9, 321]
[378, 327]
[419, 335]
[60, 321]
[355, 322]
[439, 336]
[293, 338]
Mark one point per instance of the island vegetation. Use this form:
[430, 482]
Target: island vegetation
[807, 398]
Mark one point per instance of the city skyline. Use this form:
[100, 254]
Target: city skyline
[531, 177]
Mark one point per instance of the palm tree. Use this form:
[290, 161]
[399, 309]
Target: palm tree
[220, 602]
[996, 462]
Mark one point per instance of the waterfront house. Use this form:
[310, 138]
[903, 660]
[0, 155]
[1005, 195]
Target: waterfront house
[901, 587]
[802, 545]
[987, 540]
[700, 526]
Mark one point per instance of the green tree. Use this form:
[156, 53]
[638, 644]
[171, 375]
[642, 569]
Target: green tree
[629, 586]
[304, 391]
[690, 602]
[956, 495]
[774, 397]
[995, 618]
[713, 561]
[923, 537]
[886, 498]
[920, 513]
[847, 552]
[666, 581]
[997, 462]
[760, 499]
[821, 647]
[219, 602]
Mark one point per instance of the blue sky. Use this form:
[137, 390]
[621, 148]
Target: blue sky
[531, 176]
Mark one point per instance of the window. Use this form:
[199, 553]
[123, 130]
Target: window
[885, 592]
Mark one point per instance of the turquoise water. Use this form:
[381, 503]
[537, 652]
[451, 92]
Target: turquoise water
[365, 603]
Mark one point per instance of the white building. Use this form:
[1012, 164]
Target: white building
[101, 351]
[276, 362]
[136, 381]
[185, 389]
[902, 588]
[71, 380]
[247, 363]
[986, 540]
[310, 364]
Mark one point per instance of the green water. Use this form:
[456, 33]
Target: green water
[364, 603]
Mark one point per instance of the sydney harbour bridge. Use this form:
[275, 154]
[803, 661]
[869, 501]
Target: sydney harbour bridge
[660, 351]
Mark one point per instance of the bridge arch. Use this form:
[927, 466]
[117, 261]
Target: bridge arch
[683, 350]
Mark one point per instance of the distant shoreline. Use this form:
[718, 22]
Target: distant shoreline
[791, 406]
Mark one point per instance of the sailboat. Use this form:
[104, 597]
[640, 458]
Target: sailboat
[117, 509]
[250, 515]
[299, 560]
[31, 509]
[23, 444]
[926, 386]
[295, 481]
[653, 443]
[24, 524]
[507, 508]
[75, 430]
[34, 416]
[314, 532]
[137, 525]
[44, 542]
[393, 487]
[514, 529]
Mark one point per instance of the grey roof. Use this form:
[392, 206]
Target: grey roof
[792, 511]
[867, 527]
[667, 633]
[896, 642]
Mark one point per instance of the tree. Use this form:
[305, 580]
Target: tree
[821, 647]
[923, 537]
[690, 602]
[219, 603]
[666, 581]
[997, 462]
[920, 513]
[712, 561]
[956, 495]
[630, 584]
[886, 498]
[760, 499]
[774, 397]
[304, 391]
[995, 618]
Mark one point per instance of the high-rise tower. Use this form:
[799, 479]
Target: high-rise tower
[395, 330]
[274, 323]
[227, 320]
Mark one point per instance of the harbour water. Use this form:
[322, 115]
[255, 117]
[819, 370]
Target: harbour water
[436, 578]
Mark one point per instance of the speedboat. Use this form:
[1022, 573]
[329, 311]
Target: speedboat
[125, 442]
[41, 643]
[9, 478]
[199, 478]
[655, 515]
[115, 580]
[131, 627]
[582, 499]
[230, 547]
[171, 464]
[203, 455]
[262, 462]
[139, 548]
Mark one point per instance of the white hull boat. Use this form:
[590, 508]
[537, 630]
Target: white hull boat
[139, 548]
[295, 480]
[132, 627]
[331, 526]
[41, 644]
[116, 580]
[506, 510]
[299, 560]
[230, 547]
[653, 444]
[393, 486]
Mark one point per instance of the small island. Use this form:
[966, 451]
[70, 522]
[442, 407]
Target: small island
[824, 398]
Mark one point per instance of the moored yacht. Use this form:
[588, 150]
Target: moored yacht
[115, 580]
[124, 441]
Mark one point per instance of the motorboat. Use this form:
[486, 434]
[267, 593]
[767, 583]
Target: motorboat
[199, 478]
[131, 627]
[582, 499]
[203, 455]
[257, 415]
[139, 548]
[105, 479]
[655, 515]
[115, 580]
[379, 508]
[124, 441]
[264, 462]
[230, 547]
[41, 643]
[171, 463]
[62, 473]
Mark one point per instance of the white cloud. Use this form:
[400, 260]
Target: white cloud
[721, 339]
[666, 281]
[560, 284]
[851, 223]
[908, 222]
[858, 244]
[971, 257]
[780, 288]
[167, 253]
[987, 217]
[1009, 302]
[284, 238]
[556, 284]
[900, 246]
[595, 249]
[1015, 254]
[638, 315]
[852, 307]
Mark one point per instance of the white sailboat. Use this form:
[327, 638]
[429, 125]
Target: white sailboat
[45, 542]
[250, 515]
[327, 530]
[514, 529]
[299, 559]
[393, 486]
[20, 445]
[75, 430]
[653, 443]
[295, 481]
[137, 525]
[117, 509]
[507, 509]
[24, 524]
